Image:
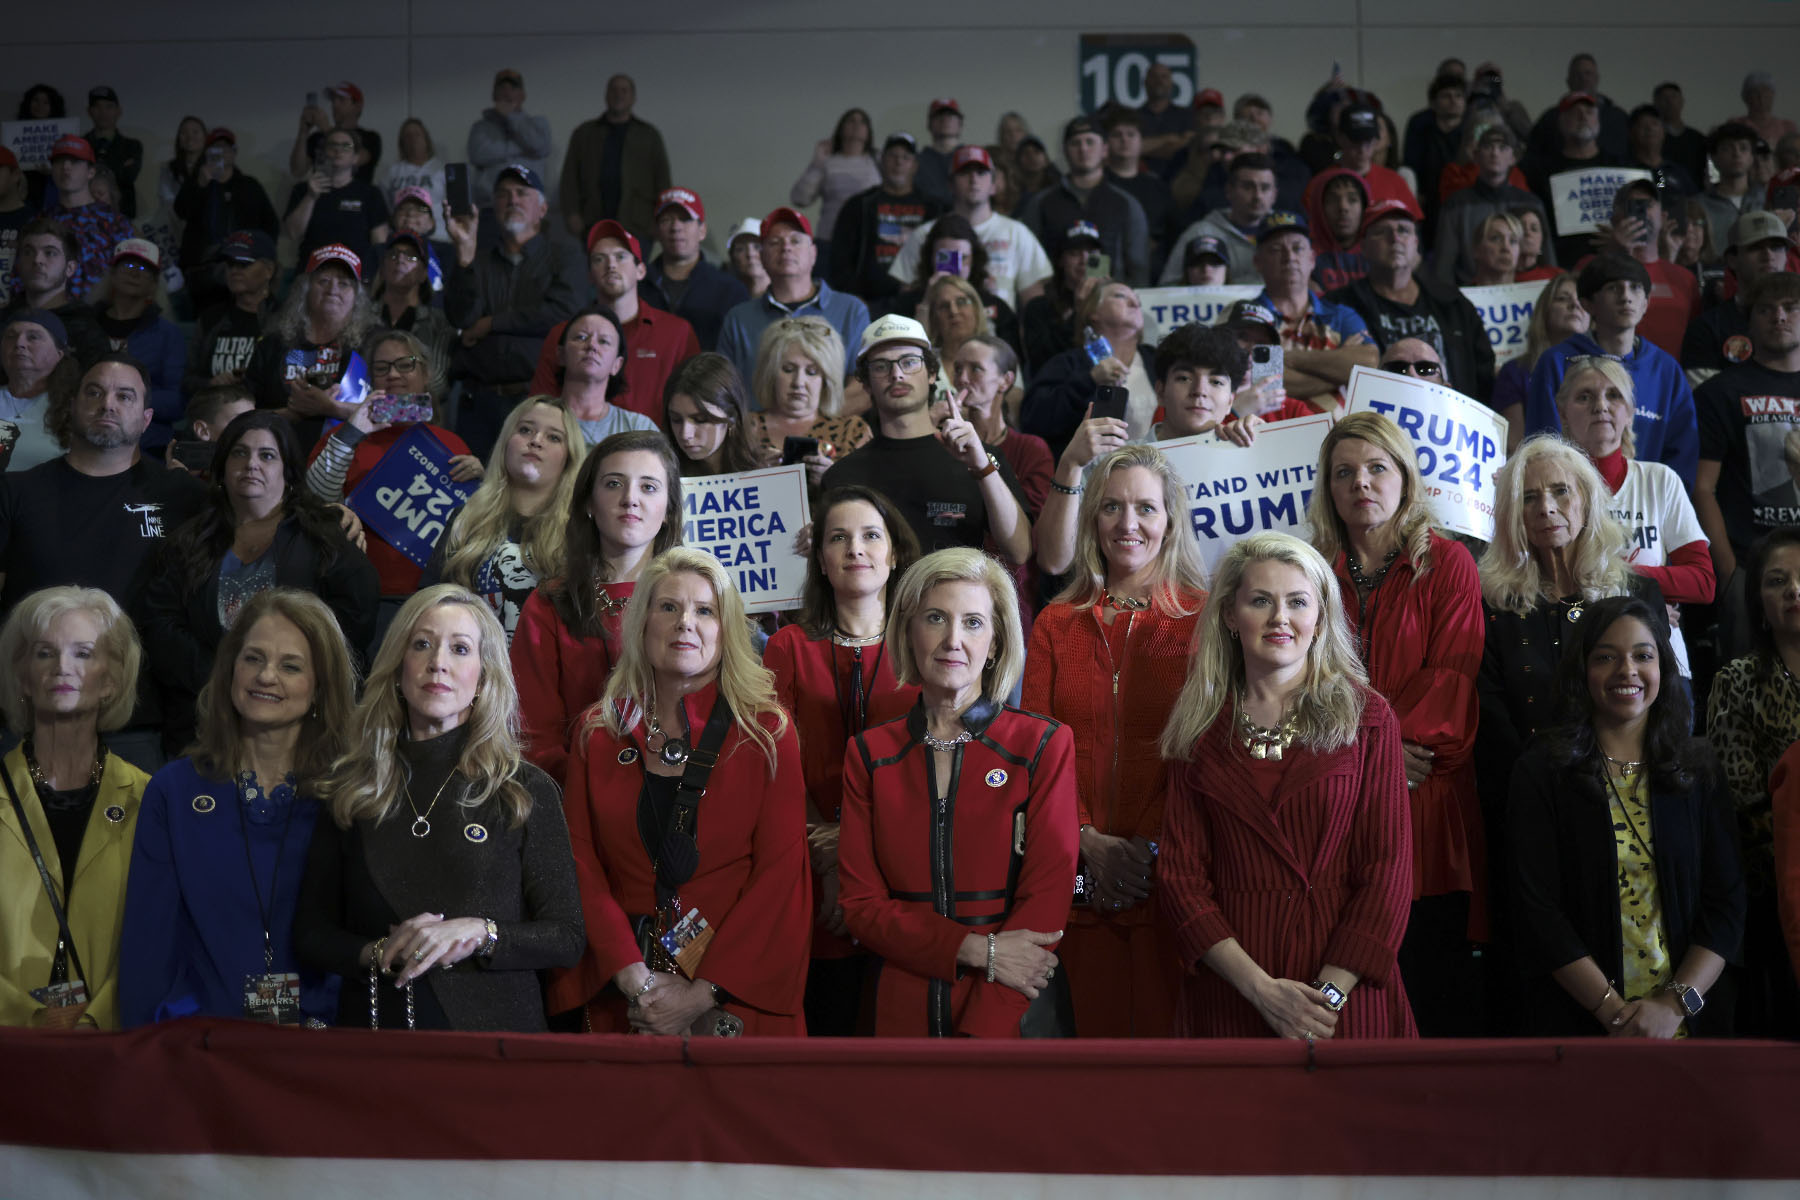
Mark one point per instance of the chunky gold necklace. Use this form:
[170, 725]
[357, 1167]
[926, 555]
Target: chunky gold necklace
[41, 780]
[1265, 742]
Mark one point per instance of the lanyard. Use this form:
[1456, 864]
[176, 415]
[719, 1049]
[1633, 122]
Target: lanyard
[56, 904]
[262, 910]
[853, 709]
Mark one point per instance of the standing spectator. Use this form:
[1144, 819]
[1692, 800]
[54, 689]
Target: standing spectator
[1465, 211]
[504, 134]
[698, 292]
[215, 201]
[227, 335]
[1759, 99]
[1359, 133]
[704, 414]
[333, 204]
[1125, 169]
[1551, 129]
[15, 214]
[1674, 294]
[1684, 145]
[1167, 129]
[788, 254]
[98, 227]
[615, 167]
[652, 342]
[1017, 264]
[505, 298]
[986, 373]
[1047, 326]
[346, 101]
[842, 165]
[1032, 170]
[1250, 191]
[1433, 144]
[301, 362]
[743, 255]
[35, 356]
[1556, 316]
[1337, 243]
[128, 315]
[1321, 339]
[123, 156]
[1731, 147]
[944, 118]
[591, 353]
[416, 167]
[1085, 195]
[1577, 147]
[173, 175]
[796, 385]
[873, 225]
[49, 255]
[1648, 136]
[952, 249]
[1496, 251]
[1719, 338]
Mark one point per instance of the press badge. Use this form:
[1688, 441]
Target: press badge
[686, 942]
[64, 1003]
[273, 999]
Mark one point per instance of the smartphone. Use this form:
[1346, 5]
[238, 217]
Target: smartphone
[1265, 362]
[195, 456]
[797, 449]
[1639, 210]
[1110, 401]
[949, 262]
[457, 196]
[402, 410]
[1094, 259]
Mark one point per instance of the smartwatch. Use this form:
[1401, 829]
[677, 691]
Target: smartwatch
[1335, 996]
[1690, 998]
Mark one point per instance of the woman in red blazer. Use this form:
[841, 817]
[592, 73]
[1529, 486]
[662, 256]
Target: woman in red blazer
[834, 676]
[1286, 864]
[1107, 659]
[624, 511]
[957, 850]
[650, 849]
[1414, 602]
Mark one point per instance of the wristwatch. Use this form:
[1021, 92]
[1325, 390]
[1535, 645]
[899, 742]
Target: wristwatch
[1690, 999]
[488, 943]
[1335, 996]
[993, 464]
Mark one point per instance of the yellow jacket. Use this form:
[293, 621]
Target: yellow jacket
[96, 911]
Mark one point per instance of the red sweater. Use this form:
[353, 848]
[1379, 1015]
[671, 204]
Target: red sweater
[656, 342]
[559, 673]
[399, 574]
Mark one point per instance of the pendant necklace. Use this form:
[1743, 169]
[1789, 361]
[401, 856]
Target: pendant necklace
[421, 827]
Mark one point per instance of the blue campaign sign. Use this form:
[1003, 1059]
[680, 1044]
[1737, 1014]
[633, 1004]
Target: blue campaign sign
[408, 496]
[1111, 67]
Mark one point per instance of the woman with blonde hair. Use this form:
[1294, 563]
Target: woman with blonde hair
[1286, 865]
[1107, 658]
[699, 914]
[1495, 251]
[439, 869]
[1413, 600]
[958, 843]
[953, 314]
[223, 833]
[1556, 317]
[510, 536]
[70, 810]
[798, 384]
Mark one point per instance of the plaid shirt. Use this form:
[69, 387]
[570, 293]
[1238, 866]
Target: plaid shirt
[99, 229]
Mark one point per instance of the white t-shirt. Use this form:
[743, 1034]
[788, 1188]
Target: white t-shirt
[1016, 260]
[1654, 508]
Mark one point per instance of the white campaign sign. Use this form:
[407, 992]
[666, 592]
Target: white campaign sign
[1167, 307]
[1459, 443]
[31, 140]
[748, 521]
[1234, 491]
[1583, 199]
[1506, 310]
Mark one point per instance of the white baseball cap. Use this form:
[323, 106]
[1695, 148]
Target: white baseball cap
[892, 328]
[748, 227]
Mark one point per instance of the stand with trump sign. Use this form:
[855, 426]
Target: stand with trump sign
[1234, 491]
[1458, 442]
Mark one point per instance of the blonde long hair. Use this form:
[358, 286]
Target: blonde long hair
[369, 780]
[744, 683]
[960, 564]
[1537, 333]
[1614, 372]
[1510, 577]
[1335, 688]
[482, 525]
[1412, 521]
[1178, 582]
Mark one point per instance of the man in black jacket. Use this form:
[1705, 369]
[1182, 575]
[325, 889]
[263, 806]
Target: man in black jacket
[873, 225]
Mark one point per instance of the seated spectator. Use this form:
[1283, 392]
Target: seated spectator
[416, 166]
[1359, 133]
[798, 395]
[505, 134]
[1534, 246]
[1574, 145]
[1416, 357]
[874, 224]
[1126, 170]
[1047, 326]
[1337, 240]
[591, 355]
[1758, 94]
[698, 292]
[952, 248]
[346, 100]
[788, 254]
[1495, 253]
[953, 314]
[1556, 316]
[1495, 151]
[213, 407]
[97, 227]
[1017, 265]
[332, 204]
[654, 342]
[1719, 338]
[402, 294]
[1646, 138]
[509, 537]
[1731, 149]
[34, 353]
[1250, 192]
[227, 334]
[260, 529]
[216, 201]
[1321, 339]
[15, 212]
[301, 362]
[705, 410]
[1110, 330]
[944, 121]
[743, 254]
[127, 314]
[1207, 262]
[1615, 290]
[1674, 296]
[842, 166]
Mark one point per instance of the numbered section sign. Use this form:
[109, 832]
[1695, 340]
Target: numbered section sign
[1112, 67]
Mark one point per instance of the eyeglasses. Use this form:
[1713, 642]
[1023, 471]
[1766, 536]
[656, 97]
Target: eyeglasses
[395, 366]
[1423, 368]
[133, 264]
[906, 364]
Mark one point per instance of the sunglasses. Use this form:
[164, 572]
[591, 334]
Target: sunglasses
[1423, 368]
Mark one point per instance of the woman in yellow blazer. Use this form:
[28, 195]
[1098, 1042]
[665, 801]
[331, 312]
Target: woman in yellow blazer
[72, 658]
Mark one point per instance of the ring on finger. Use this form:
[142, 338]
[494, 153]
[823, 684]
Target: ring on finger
[419, 954]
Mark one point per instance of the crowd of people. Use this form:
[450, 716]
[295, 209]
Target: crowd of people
[1018, 763]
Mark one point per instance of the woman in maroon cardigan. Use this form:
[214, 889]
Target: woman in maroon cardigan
[835, 678]
[1286, 866]
[1414, 602]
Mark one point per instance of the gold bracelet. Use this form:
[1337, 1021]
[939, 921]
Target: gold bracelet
[1595, 1011]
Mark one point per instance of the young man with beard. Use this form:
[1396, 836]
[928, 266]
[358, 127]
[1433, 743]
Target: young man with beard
[47, 258]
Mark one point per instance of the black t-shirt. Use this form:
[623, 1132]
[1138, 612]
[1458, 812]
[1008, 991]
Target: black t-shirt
[1746, 415]
[118, 330]
[225, 342]
[933, 491]
[1716, 339]
[371, 143]
[348, 214]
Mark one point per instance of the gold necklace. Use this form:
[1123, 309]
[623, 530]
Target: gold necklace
[1124, 603]
[419, 818]
[1266, 743]
[41, 780]
[605, 603]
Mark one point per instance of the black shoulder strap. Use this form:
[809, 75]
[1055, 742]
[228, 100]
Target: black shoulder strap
[676, 852]
[56, 904]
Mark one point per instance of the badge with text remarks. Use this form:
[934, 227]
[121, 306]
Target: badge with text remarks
[272, 998]
[686, 942]
[64, 1003]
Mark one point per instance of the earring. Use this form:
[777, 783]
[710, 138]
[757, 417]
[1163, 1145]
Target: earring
[1234, 635]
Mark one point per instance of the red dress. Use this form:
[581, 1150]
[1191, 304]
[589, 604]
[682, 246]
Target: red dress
[1422, 644]
[559, 673]
[752, 884]
[917, 877]
[1123, 972]
[814, 680]
[1305, 869]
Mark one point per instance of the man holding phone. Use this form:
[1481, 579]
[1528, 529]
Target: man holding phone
[1636, 230]
[346, 100]
[332, 206]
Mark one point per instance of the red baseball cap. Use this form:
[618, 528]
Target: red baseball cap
[787, 216]
[971, 156]
[616, 231]
[1211, 96]
[1573, 98]
[683, 199]
[345, 88]
[944, 104]
[1385, 208]
[336, 252]
[221, 134]
[70, 146]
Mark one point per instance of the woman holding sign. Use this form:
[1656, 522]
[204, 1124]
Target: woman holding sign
[1413, 600]
[1286, 870]
[687, 814]
[1107, 659]
[624, 510]
[833, 673]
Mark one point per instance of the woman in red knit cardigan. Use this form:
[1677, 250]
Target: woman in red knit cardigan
[1107, 659]
[1286, 864]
